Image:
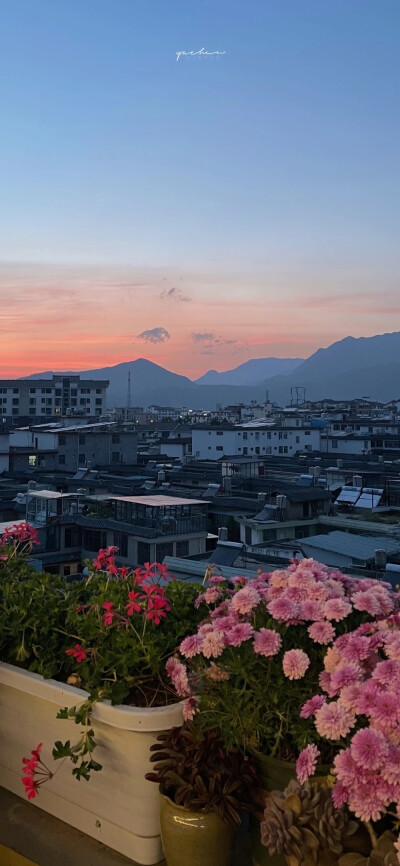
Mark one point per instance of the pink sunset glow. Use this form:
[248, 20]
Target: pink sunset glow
[63, 318]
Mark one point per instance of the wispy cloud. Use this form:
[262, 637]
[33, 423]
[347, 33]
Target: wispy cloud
[173, 294]
[154, 335]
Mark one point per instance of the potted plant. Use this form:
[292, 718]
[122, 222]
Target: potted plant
[358, 715]
[252, 668]
[203, 787]
[94, 651]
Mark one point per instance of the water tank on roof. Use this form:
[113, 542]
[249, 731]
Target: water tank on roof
[161, 476]
[261, 497]
[317, 471]
[81, 491]
[31, 485]
[339, 464]
[223, 533]
[281, 502]
[357, 480]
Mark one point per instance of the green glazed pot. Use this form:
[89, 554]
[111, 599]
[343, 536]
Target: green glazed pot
[276, 776]
[194, 838]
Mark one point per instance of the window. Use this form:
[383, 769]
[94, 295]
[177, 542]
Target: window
[308, 433]
[245, 451]
[115, 457]
[58, 392]
[32, 460]
[94, 540]
[98, 390]
[244, 435]
[32, 411]
[297, 440]
[257, 449]
[82, 458]
[99, 401]
[32, 390]
[15, 390]
[15, 411]
[121, 541]
[32, 401]
[82, 401]
[219, 433]
[61, 439]
[115, 438]
[182, 548]
[72, 537]
[248, 535]
[143, 553]
[335, 443]
[15, 401]
[219, 448]
[61, 459]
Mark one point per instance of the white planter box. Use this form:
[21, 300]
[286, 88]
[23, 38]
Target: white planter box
[117, 806]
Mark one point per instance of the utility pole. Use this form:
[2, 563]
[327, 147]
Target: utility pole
[129, 391]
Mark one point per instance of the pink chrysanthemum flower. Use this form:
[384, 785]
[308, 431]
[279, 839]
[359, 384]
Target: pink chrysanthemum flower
[333, 659]
[212, 594]
[369, 749]
[306, 763]
[333, 721]
[354, 647]
[311, 610]
[267, 642]
[385, 713]
[282, 609]
[367, 601]
[189, 709]
[386, 672]
[392, 645]
[344, 677]
[191, 646]
[349, 696]
[178, 675]
[239, 633]
[245, 600]
[336, 609]
[339, 795]
[213, 644]
[295, 663]
[311, 706]
[321, 632]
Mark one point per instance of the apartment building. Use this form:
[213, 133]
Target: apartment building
[41, 399]
[69, 448]
[211, 443]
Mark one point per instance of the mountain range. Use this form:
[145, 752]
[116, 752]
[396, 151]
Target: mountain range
[352, 367]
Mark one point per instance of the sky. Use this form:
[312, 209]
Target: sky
[197, 211]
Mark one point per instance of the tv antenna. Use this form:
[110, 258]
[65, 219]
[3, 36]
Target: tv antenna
[129, 391]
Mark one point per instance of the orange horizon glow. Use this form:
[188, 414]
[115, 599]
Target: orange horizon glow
[69, 318]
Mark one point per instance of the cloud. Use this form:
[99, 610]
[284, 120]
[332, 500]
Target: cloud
[207, 337]
[154, 335]
[174, 294]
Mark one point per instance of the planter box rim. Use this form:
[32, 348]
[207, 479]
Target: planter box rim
[61, 694]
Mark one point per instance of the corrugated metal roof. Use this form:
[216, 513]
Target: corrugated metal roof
[191, 569]
[361, 547]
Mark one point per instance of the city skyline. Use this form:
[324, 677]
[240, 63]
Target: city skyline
[201, 212]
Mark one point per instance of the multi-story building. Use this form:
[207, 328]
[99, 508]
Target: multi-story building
[41, 399]
[70, 448]
[73, 527]
[211, 443]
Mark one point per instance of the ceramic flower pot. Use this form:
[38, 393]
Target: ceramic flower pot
[276, 776]
[194, 838]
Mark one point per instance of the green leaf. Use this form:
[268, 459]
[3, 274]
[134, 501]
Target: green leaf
[62, 750]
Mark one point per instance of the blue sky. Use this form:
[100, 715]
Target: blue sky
[278, 159]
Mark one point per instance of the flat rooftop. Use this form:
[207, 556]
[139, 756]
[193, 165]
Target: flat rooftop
[156, 500]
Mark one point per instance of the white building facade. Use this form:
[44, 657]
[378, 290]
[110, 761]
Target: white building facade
[214, 443]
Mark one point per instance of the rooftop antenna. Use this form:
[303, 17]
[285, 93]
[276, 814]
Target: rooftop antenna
[298, 395]
[129, 390]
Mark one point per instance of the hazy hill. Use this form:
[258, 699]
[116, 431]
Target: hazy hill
[363, 367]
[251, 372]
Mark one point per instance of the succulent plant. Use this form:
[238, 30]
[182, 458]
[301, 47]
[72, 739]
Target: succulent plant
[383, 854]
[303, 824]
[197, 772]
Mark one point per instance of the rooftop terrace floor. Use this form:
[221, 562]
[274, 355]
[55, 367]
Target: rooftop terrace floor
[30, 837]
